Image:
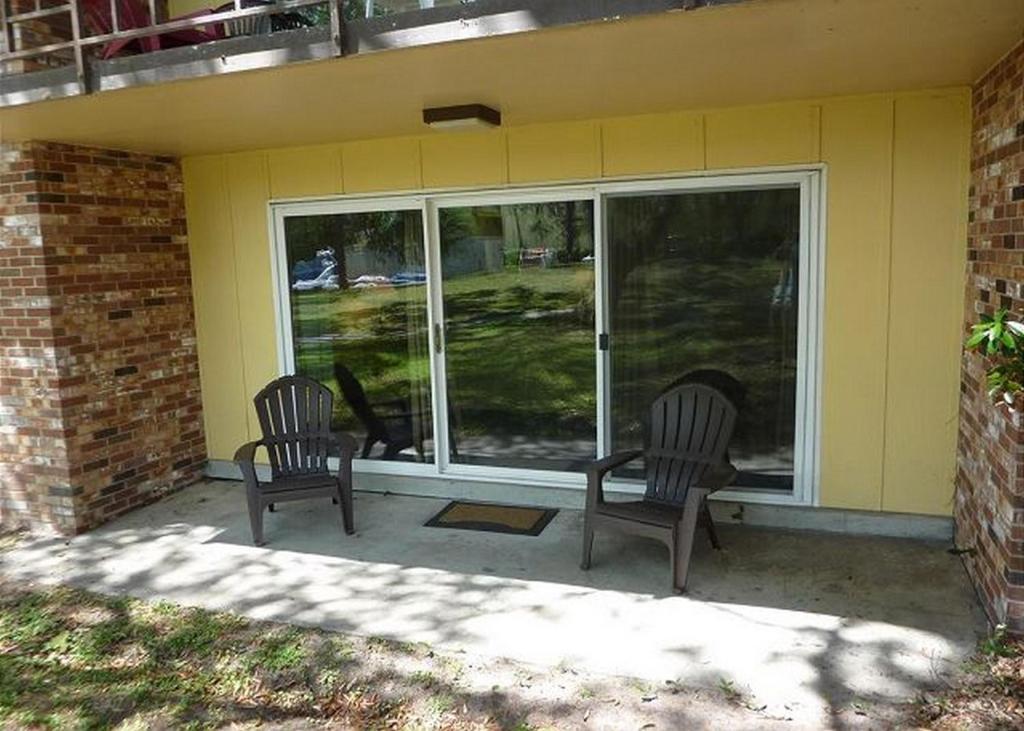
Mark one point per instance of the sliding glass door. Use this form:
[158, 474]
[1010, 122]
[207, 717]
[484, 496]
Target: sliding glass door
[357, 321]
[517, 284]
[521, 335]
[703, 287]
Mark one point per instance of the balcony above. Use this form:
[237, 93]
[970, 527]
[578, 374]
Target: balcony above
[319, 73]
[58, 48]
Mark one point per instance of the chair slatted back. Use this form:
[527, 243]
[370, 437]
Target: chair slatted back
[295, 417]
[691, 425]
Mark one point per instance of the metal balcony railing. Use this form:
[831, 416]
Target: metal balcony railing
[102, 28]
[58, 48]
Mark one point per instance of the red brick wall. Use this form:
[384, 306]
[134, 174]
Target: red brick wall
[34, 476]
[989, 506]
[99, 385]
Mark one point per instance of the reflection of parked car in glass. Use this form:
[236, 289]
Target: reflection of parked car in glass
[318, 273]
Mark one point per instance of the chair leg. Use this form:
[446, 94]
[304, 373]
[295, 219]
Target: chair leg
[709, 524]
[347, 512]
[588, 541]
[682, 539]
[255, 516]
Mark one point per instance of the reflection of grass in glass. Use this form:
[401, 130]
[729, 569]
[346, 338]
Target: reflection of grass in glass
[521, 345]
[380, 334]
[521, 352]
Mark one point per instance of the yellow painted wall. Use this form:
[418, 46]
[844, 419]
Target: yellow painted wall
[894, 249]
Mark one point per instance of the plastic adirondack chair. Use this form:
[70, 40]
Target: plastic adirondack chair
[132, 14]
[736, 392]
[690, 428]
[295, 418]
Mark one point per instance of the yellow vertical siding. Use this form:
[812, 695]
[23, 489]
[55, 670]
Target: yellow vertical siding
[382, 165]
[214, 282]
[305, 172]
[652, 143]
[856, 140]
[930, 170]
[895, 211]
[544, 152]
[248, 191]
[464, 159]
[748, 137]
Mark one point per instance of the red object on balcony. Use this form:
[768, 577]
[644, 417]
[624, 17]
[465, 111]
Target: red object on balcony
[133, 14]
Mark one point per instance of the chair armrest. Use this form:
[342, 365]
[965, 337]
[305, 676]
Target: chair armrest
[604, 465]
[245, 458]
[247, 452]
[599, 468]
[718, 477]
[343, 444]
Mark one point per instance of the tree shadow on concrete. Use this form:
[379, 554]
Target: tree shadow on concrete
[840, 620]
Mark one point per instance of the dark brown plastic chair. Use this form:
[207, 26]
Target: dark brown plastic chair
[393, 423]
[736, 392]
[295, 418]
[690, 428]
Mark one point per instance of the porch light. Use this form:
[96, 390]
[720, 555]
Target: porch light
[461, 116]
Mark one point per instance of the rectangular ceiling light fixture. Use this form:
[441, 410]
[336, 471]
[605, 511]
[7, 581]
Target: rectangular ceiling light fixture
[461, 116]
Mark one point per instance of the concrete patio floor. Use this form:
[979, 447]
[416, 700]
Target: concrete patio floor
[799, 622]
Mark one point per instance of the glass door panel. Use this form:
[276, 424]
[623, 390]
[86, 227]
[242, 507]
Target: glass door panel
[358, 309]
[702, 286]
[518, 301]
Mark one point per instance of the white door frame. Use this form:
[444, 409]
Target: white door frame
[806, 467]
[811, 182]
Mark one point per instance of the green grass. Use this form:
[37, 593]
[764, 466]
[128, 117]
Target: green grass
[71, 659]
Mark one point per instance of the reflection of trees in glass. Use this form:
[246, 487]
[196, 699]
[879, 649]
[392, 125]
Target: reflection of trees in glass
[387, 233]
[701, 226]
[373, 326]
[706, 280]
[563, 227]
[520, 337]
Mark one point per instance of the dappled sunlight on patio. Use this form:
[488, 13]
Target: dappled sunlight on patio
[798, 622]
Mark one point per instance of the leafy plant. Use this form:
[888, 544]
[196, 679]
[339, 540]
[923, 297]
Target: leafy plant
[1002, 341]
[996, 645]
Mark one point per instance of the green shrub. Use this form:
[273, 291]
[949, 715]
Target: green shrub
[1001, 340]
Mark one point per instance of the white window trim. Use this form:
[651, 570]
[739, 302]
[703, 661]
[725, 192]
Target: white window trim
[812, 182]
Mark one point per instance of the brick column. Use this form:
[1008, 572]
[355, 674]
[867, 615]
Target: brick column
[989, 507]
[100, 407]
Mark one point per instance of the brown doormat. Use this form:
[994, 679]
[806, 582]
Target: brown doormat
[520, 521]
